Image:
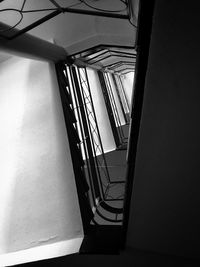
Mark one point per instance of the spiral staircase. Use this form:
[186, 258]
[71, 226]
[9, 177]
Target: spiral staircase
[100, 176]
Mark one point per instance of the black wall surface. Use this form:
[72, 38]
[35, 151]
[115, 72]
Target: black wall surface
[166, 197]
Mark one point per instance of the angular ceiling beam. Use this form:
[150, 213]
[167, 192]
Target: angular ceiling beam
[31, 47]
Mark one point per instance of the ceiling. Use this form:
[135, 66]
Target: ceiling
[21, 14]
[74, 32]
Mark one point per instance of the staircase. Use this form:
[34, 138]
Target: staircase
[100, 177]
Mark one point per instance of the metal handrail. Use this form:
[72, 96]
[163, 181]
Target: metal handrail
[83, 106]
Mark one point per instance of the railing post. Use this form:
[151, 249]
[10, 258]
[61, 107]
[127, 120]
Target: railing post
[77, 161]
[87, 135]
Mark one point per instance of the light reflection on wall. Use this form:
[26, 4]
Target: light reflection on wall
[127, 81]
[38, 196]
[101, 112]
[12, 103]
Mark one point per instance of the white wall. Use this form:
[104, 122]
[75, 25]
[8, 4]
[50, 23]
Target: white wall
[135, 9]
[101, 112]
[38, 197]
[127, 81]
[120, 116]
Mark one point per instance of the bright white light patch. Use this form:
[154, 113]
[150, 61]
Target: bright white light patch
[41, 252]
